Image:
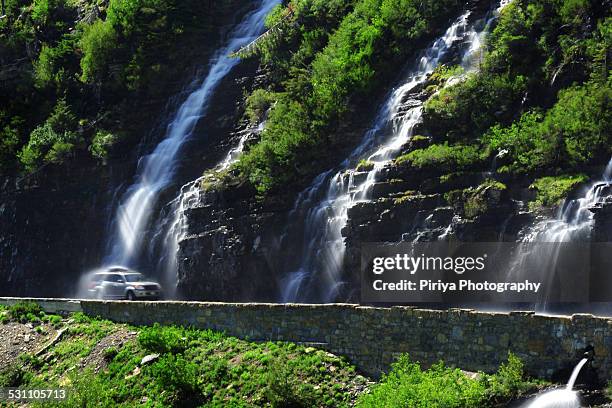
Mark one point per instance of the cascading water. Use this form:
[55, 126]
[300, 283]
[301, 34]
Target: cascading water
[561, 398]
[323, 207]
[174, 227]
[574, 221]
[156, 170]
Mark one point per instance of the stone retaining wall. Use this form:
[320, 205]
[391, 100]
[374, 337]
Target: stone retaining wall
[372, 337]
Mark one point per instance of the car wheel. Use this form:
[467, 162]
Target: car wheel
[130, 295]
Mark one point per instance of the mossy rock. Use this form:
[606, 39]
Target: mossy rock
[551, 191]
[364, 165]
[476, 201]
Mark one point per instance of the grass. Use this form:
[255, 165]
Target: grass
[194, 368]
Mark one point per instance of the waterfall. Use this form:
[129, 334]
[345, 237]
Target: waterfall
[562, 398]
[546, 240]
[323, 207]
[156, 170]
[574, 220]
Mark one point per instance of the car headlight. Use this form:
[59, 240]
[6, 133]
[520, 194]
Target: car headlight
[139, 287]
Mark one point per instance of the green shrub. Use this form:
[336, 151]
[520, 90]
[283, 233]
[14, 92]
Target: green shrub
[285, 389]
[48, 68]
[407, 385]
[364, 165]
[102, 143]
[443, 157]
[45, 146]
[509, 381]
[26, 312]
[258, 103]
[477, 200]
[552, 190]
[179, 376]
[54, 320]
[470, 107]
[576, 130]
[88, 390]
[163, 339]
[97, 43]
[13, 376]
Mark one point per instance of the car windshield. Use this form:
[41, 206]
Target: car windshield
[134, 277]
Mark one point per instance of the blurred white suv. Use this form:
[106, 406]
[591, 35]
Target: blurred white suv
[121, 283]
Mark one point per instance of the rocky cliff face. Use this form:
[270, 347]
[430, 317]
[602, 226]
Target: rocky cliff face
[233, 250]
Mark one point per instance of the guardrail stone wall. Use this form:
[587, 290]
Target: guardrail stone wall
[372, 337]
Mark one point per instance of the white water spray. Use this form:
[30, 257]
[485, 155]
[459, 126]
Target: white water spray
[156, 170]
[561, 398]
[573, 223]
[574, 220]
[324, 205]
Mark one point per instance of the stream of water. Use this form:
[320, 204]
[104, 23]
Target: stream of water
[156, 170]
[561, 398]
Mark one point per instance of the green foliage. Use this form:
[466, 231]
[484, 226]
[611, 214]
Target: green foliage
[476, 201]
[10, 140]
[470, 107]
[364, 165]
[258, 103]
[97, 43]
[46, 146]
[180, 377]
[322, 81]
[443, 157]
[50, 67]
[102, 143]
[54, 320]
[13, 376]
[552, 190]
[509, 381]
[576, 130]
[286, 390]
[87, 389]
[26, 312]
[407, 385]
[163, 339]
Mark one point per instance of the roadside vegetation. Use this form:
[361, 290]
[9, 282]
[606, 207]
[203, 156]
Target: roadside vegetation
[104, 364]
[408, 385]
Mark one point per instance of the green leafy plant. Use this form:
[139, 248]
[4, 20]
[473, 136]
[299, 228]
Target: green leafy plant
[26, 312]
[552, 190]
